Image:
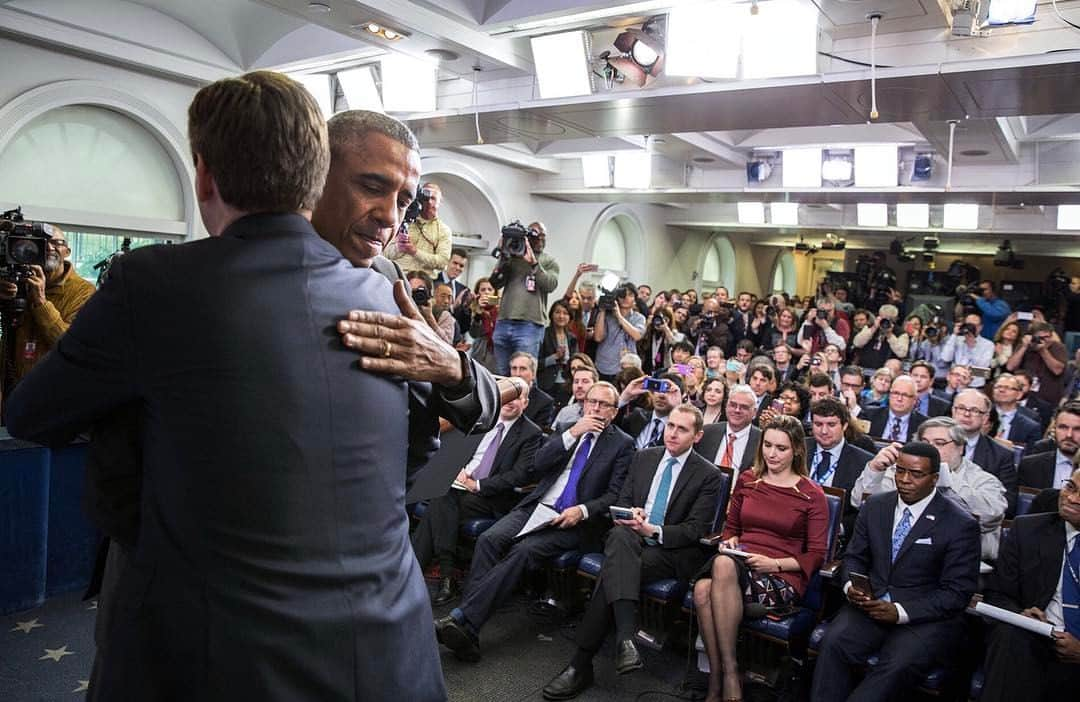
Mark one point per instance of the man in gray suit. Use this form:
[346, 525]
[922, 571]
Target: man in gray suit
[272, 553]
[734, 443]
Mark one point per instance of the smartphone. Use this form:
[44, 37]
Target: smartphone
[861, 582]
[656, 385]
[777, 406]
[683, 369]
[621, 512]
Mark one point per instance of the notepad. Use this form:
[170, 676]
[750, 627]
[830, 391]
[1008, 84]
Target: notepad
[734, 552]
[1003, 615]
[539, 519]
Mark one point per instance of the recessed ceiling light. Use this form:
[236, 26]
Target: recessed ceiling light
[975, 152]
[373, 28]
[443, 54]
[318, 7]
[381, 31]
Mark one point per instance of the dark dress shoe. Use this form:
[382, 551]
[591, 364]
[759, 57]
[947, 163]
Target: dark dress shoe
[446, 592]
[458, 639]
[568, 684]
[627, 658]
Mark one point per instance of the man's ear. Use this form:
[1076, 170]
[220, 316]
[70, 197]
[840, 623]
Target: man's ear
[205, 187]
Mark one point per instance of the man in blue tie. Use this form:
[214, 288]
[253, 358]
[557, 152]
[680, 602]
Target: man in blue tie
[1038, 575]
[673, 492]
[581, 472]
[920, 552]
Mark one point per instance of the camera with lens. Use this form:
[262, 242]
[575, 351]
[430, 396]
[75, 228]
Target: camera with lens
[22, 244]
[606, 300]
[968, 330]
[514, 236]
[421, 296]
[886, 324]
[967, 300]
[658, 321]
[822, 314]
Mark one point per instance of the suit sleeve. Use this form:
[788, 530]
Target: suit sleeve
[474, 411]
[618, 477]
[1006, 473]
[857, 554]
[91, 370]
[626, 493]
[959, 575]
[1003, 588]
[701, 513]
[520, 474]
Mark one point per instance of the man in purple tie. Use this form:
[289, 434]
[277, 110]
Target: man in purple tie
[502, 461]
[581, 472]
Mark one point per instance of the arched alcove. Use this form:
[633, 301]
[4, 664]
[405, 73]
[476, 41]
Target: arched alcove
[783, 274]
[717, 264]
[617, 243]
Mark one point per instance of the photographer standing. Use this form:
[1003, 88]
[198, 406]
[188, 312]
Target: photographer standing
[655, 347]
[526, 282]
[443, 322]
[877, 342]
[618, 329]
[1044, 357]
[54, 295]
[425, 245]
[966, 346]
[711, 328]
[994, 310]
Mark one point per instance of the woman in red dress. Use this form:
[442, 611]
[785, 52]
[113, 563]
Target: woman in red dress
[778, 516]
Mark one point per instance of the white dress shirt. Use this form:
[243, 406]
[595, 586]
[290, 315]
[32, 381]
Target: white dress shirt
[741, 438]
[1005, 420]
[478, 455]
[642, 440]
[1055, 612]
[904, 421]
[955, 351]
[655, 486]
[1063, 469]
[834, 456]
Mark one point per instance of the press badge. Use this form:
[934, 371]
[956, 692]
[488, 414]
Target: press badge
[30, 350]
[530, 283]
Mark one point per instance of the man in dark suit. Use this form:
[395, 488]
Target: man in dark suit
[734, 443]
[1052, 468]
[922, 372]
[459, 291]
[1043, 409]
[485, 487]
[581, 474]
[646, 427]
[920, 551]
[1038, 575]
[762, 381]
[674, 493]
[1015, 423]
[958, 378]
[541, 408]
[970, 410]
[832, 461]
[256, 466]
[898, 420]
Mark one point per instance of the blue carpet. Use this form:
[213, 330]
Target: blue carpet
[46, 653]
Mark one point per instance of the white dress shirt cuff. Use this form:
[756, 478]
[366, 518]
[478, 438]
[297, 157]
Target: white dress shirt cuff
[659, 534]
[584, 512]
[901, 615]
[568, 439]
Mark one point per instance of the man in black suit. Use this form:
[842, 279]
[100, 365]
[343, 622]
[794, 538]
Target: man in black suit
[257, 466]
[1015, 423]
[1038, 575]
[485, 487]
[1043, 409]
[958, 378]
[673, 492]
[762, 381]
[646, 427]
[898, 420]
[581, 474]
[970, 410]
[922, 372]
[833, 461]
[742, 317]
[734, 443]
[541, 408]
[459, 291]
[920, 551]
[1051, 469]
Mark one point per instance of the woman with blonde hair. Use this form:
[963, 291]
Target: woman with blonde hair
[780, 519]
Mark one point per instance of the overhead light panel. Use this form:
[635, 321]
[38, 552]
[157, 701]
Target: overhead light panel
[633, 169]
[318, 84]
[596, 170]
[758, 171]
[358, 84]
[1003, 12]
[751, 212]
[1068, 217]
[838, 168]
[873, 214]
[785, 213]
[380, 31]
[961, 216]
[562, 64]
[876, 166]
[802, 168]
[780, 39]
[913, 215]
[408, 84]
[703, 40]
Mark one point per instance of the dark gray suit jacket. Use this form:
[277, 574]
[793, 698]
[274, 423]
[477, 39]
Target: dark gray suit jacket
[273, 554]
[713, 435]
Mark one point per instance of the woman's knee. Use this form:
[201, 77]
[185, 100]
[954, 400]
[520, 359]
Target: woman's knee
[723, 570]
[702, 589]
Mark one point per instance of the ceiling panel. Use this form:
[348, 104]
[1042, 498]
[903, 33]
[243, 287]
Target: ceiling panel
[847, 18]
[846, 196]
[1026, 86]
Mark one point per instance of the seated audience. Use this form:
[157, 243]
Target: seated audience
[1017, 424]
[761, 381]
[541, 408]
[555, 349]
[583, 379]
[781, 518]
[851, 386]
[502, 461]
[787, 369]
[714, 362]
[1051, 469]
[660, 541]
[920, 552]
[581, 473]
[898, 420]
[733, 443]
[922, 372]
[834, 462]
[877, 395]
[957, 379]
[796, 401]
[1033, 402]
[646, 427]
[1037, 575]
[971, 410]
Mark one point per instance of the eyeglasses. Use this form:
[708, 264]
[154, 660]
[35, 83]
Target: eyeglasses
[941, 443]
[969, 410]
[600, 403]
[851, 386]
[58, 243]
[904, 395]
[1070, 487]
[914, 474]
[739, 406]
[1014, 388]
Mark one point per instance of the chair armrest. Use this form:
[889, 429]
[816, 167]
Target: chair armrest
[830, 569]
[525, 489]
[712, 539]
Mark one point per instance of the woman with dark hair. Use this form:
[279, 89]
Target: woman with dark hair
[714, 395]
[780, 519]
[786, 332]
[796, 399]
[485, 312]
[655, 346]
[559, 343]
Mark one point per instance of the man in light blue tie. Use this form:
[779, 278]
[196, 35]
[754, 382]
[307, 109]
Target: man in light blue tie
[672, 493]
[920, 552]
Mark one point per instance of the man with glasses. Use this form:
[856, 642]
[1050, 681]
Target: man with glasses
[898, 421]
[959, 378]
[1051, 469]
[734, 443]
[1038, 575]
[1041, 408]
[968, 346]
[970, 410]
[54, 295]
[1045, 358]
[1015, 423]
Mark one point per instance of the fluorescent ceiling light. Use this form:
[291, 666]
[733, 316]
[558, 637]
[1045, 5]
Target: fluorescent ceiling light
[358, 85]
[318, 84]
[751, 212]
[801, 168]
[780, 40]
[703, 40]
[837, 169]
[596, 170]
[1011, 12]
[1068, 217]
[912, 215]
[633, 169]
[625, 9]
[876, 166]
[873, 214]
[786, 213]
[408, 84]
[562, 64]
[961, 216]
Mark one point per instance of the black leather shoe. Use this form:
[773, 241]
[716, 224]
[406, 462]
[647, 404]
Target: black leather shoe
[458, 639]
[568, 684]
[627, 658]
[446, 592]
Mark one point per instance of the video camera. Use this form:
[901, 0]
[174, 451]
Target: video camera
[966, 297]
[22, 244]
[513, 240]
[422, 198]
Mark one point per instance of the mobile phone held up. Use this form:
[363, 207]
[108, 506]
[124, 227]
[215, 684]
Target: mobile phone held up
[656, 385]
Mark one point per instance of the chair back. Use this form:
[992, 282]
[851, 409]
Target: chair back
[727, 477]
[1018, 455]
[1024, 497]
[880, 443]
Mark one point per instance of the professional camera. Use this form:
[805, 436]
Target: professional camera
[421, 296]
[967, 299]
[416, 206]
[606, 300]
[22, 244]
[968, 330]
[658, 321]
[513, 241]
[886, 324]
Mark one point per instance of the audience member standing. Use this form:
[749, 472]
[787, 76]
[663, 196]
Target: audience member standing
[525, 283]
[426, 244]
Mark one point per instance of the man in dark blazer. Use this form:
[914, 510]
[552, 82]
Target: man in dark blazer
[485, 487]
[920, 551]
[674, 494]
[970, 410]
[581, 474]
[832, 461]
[922, 372]
[1037, 575]
[1015, 423]
[898, 420]
[646, 427]
[257, 466]
[734, 443]
[1050, 469]
[1043, 409]
[541, 408]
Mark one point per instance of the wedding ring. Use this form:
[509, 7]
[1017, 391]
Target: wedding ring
[386, 349]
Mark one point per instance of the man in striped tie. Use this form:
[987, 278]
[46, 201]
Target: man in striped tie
[672, 493]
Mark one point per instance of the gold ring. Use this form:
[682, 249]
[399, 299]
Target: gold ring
[386, 349]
